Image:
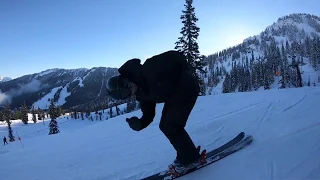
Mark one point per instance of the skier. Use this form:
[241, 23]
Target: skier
[5, 140]
[163, 78]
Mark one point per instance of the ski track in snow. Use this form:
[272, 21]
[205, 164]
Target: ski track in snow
[230, 113]
[3, 152]
[284, 123]
[295, 104]
[273, 168]
[268, 112]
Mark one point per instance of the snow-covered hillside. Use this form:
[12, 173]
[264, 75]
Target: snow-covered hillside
[268, 60]
[4, 79]
[69, 88]
[285, 125]
[293, 27]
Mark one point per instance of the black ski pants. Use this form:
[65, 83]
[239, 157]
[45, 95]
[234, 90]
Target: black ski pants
[175, 114]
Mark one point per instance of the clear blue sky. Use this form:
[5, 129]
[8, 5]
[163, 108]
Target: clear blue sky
[36, 35]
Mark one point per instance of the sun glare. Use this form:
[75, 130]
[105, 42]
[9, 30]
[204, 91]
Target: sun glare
[236, 35]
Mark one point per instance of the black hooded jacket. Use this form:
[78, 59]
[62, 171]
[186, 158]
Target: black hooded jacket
[159, 78]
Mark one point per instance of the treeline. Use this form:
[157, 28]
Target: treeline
[8, 115]
[106, 110]
[22, 113]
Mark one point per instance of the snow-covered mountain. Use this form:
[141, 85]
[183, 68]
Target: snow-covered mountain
[4, 79]
[68, 88]
[269, 60]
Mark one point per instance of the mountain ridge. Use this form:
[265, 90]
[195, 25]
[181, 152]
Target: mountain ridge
[4, 79]
[78, 86]
[269, 58]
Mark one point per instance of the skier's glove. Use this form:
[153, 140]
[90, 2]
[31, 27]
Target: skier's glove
[134, 123]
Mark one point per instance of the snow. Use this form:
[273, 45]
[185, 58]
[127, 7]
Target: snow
[281, 40]
[43, 73]
[285, 125]
[92, 70]
[44, 102]
[308, 71]
[63, 95]
[80, 82]
[4, 79]
[218, 88]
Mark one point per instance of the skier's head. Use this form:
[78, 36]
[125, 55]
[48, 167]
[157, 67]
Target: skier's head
[120, 88]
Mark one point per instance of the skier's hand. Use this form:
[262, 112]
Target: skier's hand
[134, 123]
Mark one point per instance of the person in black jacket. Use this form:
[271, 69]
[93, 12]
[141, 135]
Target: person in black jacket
[4, 140]
[163, 78]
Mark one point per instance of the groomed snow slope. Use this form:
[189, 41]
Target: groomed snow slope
[285, 125]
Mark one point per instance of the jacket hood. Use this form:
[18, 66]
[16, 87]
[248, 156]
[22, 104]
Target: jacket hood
[132, 70]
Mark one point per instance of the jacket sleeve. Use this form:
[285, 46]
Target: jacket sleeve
[148, 113]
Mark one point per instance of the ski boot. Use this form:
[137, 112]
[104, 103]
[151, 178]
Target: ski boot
[175, 169]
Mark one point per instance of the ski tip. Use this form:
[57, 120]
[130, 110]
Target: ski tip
[250, 137]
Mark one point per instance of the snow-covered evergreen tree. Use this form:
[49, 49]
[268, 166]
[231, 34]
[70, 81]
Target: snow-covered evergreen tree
[1, 116]
[24, 113]
[187, 43]
[54, 128]
[7, 117]
[34, 118]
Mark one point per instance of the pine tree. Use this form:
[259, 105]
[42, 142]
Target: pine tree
[34, 118]
[187, 42]
[1, 116]
[16, 114]
[110, 112]
[226, 86]
[60, 111]
[117, 110]
[7, 118]
[75, 114]
[39, 114]
[283, 66]
[308, 83]
[24, 112]
[53, 115]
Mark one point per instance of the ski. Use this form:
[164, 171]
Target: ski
[209, 160]
[227, 145]
[209, 155]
